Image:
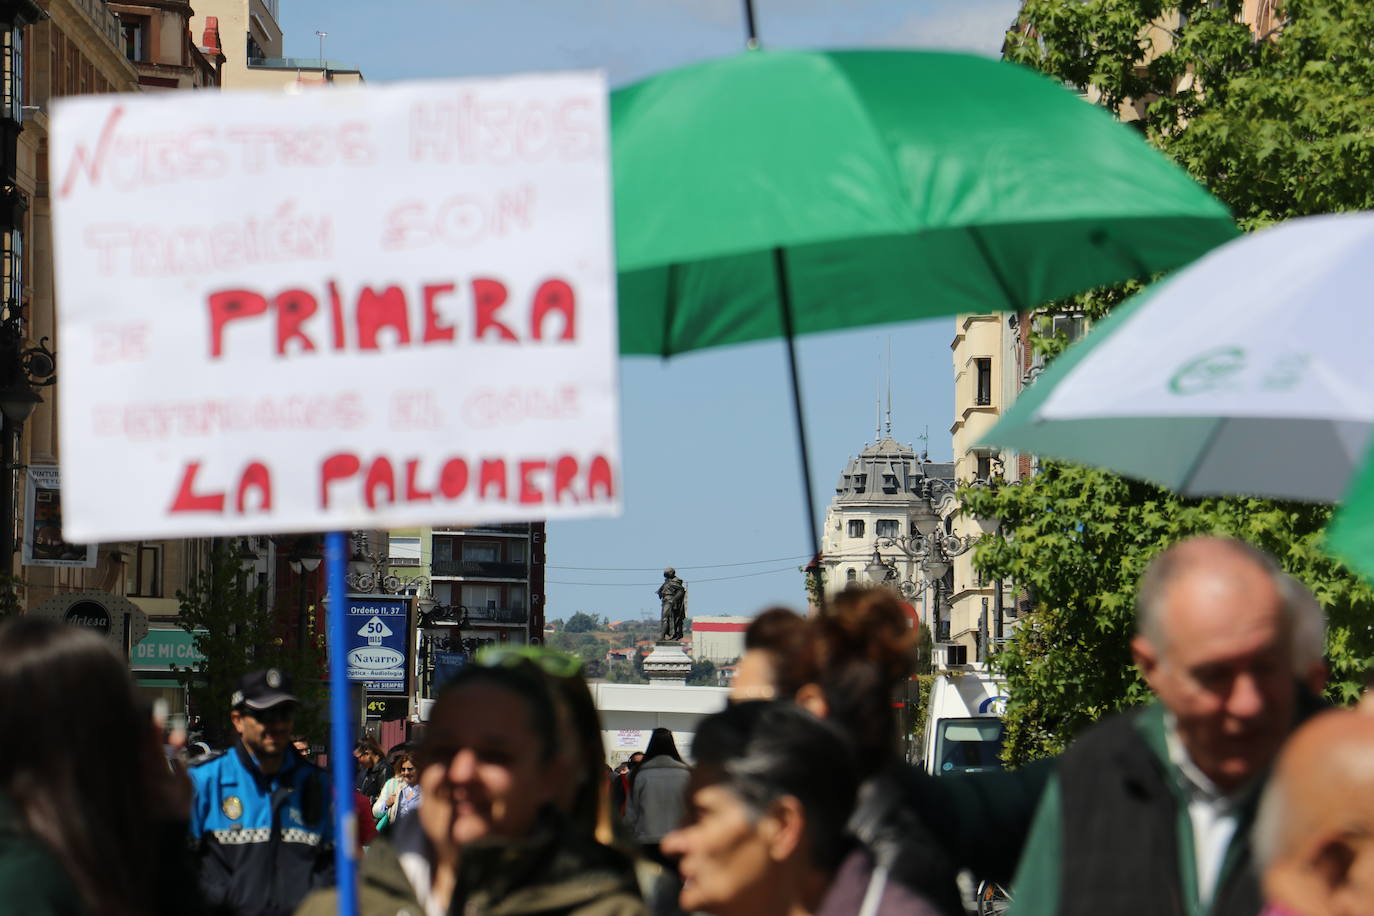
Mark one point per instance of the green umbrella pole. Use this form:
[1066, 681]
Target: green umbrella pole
[751, 24]
[785, 304]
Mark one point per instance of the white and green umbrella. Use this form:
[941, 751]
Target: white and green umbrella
[1250, 372]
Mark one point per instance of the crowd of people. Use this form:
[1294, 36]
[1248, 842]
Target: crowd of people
[1235, 792]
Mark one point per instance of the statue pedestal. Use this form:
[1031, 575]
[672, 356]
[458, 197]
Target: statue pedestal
[668, 664]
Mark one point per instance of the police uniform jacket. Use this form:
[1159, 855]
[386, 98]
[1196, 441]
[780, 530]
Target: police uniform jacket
[262, 841]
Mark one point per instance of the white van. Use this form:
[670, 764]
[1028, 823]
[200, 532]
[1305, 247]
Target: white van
[964, 724]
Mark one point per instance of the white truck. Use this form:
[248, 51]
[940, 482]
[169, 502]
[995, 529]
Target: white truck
[963, 731]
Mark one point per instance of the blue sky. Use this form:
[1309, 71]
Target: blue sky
[712, 480]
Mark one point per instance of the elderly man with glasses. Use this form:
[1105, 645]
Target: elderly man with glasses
[260, 820]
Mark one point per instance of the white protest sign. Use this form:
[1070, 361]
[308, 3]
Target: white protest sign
[352, 308]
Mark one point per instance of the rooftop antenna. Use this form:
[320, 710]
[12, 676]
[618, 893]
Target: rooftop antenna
[877, 409]
[889, 387]
[925, 443]
[322, 36]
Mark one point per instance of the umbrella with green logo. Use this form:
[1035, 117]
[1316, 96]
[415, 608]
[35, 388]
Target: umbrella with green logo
[1247, 373]
[778, 193]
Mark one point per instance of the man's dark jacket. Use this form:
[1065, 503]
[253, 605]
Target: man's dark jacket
[1114, 826]
[1119, 805]
[374, 780]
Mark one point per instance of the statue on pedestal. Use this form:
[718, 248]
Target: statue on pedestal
[673, 595]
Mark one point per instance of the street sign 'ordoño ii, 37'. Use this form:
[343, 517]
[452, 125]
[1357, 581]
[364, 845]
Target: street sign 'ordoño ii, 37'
[347, 309]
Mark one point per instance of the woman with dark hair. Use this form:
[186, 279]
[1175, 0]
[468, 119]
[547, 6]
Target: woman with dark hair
[778, 657]
[770, 796]
[585, 794]
[373, 770]
[408, 793]
[96, 823]
[855, 656]
[863, 650]
[489, 836]
[658, 794]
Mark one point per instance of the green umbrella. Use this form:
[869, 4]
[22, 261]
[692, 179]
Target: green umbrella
[1350, 535]
[777, 193]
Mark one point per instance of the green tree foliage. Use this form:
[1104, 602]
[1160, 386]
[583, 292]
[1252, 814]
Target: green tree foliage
[1078, 540]
[915, 705]
[813, 579]
[240, 635]
[581, 644]
[626, 672]
[582, 623]
[703, 674]
[1276, 126]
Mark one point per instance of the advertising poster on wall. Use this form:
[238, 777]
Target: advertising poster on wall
[43, 544]
[378, 647]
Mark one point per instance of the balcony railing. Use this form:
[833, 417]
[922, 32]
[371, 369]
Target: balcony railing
[301, 63]
[457, 615]
[479, 569]
[499, 614]
[105, 22]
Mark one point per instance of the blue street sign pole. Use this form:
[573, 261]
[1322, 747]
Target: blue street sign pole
[341, 723]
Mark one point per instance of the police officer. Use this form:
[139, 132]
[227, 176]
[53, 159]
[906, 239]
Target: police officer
[260, 820]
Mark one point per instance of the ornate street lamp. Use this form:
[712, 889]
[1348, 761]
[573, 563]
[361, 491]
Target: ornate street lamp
[929, 547]
[305, 562]
[879, 570]
[367, 573]
[22, 369]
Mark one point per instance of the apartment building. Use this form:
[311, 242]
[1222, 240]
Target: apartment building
[157, 40]
[253, 46]
[125, 591]
[495, 574]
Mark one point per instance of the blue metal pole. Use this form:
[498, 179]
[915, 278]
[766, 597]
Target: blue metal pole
[341, 724]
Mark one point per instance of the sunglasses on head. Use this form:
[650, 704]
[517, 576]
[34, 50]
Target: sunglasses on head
[557, 664]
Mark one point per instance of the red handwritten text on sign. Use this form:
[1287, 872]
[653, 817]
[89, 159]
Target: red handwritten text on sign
[357, 318]
[389, 480]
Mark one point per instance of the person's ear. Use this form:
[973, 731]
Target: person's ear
[1312, 878]
[811, 698]
[1145, 657]
[784, 828]
[236, 719]
[1331, 859]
